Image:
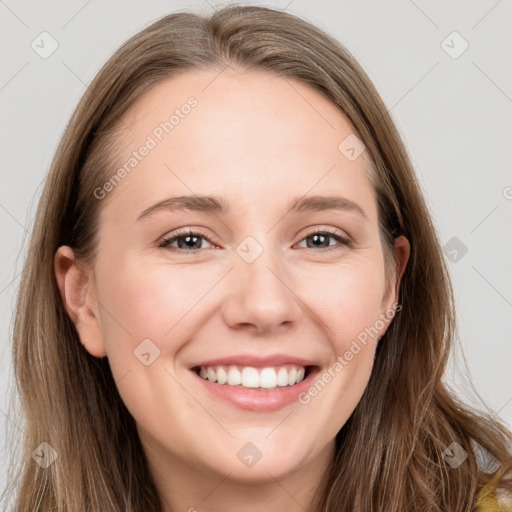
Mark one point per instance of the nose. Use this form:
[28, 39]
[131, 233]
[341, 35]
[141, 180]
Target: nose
[262, 296]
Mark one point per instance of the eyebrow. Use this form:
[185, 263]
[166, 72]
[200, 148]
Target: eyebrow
[217, 205]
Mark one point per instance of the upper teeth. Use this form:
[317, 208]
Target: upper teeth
[250, 377]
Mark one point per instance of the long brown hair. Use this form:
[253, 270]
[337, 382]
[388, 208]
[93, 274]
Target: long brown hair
[390, 451]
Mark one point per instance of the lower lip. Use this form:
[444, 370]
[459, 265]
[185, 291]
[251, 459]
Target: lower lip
[256, 400]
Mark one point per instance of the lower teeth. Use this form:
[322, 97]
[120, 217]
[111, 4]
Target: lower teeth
[239, 386]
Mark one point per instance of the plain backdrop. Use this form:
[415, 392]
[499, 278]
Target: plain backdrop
[443, 70]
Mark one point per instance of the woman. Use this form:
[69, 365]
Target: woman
[235, 297]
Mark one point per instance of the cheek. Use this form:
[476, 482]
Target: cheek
[142, 302]
[346, 297]
[348, 306]
[145, 301]
[349, 310]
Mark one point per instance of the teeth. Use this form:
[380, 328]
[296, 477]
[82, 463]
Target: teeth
[282, 377]
[234, 376]
[268, 378]
[250, 377]
[292, 376]
[222, 376]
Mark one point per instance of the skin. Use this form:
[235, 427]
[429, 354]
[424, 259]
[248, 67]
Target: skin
[258, 142]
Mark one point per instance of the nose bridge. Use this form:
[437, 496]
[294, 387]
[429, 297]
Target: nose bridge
[261, 292]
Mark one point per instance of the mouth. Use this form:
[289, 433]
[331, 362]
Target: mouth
[250, 377]
[256, 389]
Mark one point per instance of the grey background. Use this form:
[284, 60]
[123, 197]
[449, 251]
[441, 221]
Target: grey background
[453, 113]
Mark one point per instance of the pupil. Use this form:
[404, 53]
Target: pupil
[188, 239]
[316, 237]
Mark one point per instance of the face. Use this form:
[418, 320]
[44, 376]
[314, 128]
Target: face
[260, 291]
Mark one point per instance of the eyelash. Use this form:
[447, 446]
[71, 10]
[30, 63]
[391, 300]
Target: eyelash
[164, 244]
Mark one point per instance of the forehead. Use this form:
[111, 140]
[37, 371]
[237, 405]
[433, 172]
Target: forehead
[253, 136]
[231, 105]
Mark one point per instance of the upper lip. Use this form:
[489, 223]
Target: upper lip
[257, 362]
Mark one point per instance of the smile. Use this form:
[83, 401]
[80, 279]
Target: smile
[250, 377]
[261, 390]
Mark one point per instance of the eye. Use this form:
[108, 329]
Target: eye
[322, 237]
[188, 241]
[191, 241]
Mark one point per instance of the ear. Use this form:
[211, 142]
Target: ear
[402, 251]
[79, 298]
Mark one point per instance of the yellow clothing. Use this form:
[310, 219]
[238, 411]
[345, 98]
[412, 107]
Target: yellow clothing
[491, 499]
